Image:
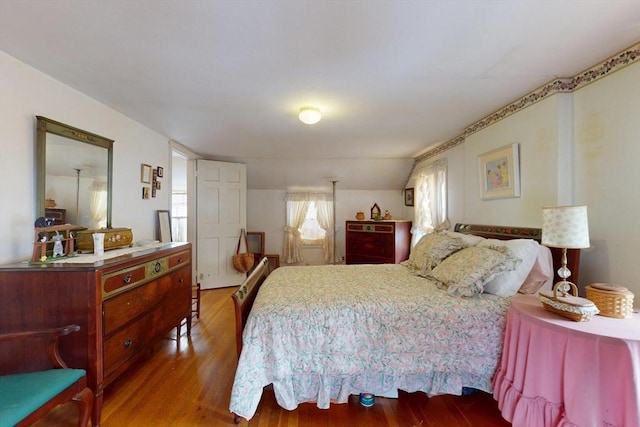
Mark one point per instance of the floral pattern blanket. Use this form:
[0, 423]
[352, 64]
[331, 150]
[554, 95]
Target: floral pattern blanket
[322, 333]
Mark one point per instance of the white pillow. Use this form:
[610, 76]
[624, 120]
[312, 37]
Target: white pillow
[469, 239]
[507, 283]
[541, 275]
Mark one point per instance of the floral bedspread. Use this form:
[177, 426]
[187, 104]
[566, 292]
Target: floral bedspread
[322, 333]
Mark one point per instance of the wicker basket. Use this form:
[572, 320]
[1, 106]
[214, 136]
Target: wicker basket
[612, 300]
[569, 306]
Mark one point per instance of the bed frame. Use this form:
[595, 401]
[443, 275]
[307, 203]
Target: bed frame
[244, 296]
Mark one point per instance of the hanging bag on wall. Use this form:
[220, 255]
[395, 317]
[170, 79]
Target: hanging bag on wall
[243, 262]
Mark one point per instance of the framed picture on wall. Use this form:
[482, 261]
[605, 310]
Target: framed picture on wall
[408, 196]
[500, 173]
[145, 173]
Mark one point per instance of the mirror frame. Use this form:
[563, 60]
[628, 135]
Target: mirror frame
[163, 229]
[44, 126]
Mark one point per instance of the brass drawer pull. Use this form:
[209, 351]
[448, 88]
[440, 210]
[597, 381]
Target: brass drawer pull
[128, 342]
[127, 278]
[157, 267]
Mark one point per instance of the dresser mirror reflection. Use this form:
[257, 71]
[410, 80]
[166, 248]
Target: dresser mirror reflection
[73, 175]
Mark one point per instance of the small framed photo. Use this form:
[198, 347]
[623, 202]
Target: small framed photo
[153, 191]
[145, 173]
[160, 172]
[408, 196]
[145, 192]
[500, 173]
[159, 185]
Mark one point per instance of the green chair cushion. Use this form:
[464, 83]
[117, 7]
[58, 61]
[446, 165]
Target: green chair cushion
[22, 394]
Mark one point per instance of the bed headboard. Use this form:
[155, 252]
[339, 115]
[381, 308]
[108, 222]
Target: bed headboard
[507, 232]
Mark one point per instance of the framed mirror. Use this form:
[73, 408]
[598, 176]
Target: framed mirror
[73, 175]
[163, 227]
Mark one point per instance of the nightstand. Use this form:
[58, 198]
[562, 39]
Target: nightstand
[561, 371]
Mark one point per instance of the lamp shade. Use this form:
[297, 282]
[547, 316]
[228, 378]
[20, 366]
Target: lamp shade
[565, 227]
[309, 115]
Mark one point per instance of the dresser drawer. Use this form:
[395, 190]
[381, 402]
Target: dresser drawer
[124, 278]
[121, 309]
[121, 280]
[177, 306]
[127, 342]
[179, 259]
[126, 306]
[369, 259]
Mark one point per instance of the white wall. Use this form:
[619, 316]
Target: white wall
[27, 92]
[266, 212]
[578, 148]
[607, 177]
[534, 129]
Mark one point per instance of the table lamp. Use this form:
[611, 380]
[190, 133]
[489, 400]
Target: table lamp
[565, 227]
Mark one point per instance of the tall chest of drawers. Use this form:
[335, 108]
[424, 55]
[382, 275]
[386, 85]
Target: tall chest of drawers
[123, 305]
[377, 242]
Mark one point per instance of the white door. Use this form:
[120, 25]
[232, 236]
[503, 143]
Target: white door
[221, 198]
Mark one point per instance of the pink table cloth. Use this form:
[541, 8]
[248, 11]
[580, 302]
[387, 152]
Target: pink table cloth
[557, 372]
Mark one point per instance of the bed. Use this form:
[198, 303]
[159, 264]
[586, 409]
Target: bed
[321, 333]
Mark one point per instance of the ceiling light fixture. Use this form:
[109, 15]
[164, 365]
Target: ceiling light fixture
[309, 115]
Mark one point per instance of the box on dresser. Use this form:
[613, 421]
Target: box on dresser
[377, 242]
[114, 238]
[122, 305]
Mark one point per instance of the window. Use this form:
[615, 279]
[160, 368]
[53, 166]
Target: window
[311, 233]
[430, 197]
[309, 217]
[179, 216]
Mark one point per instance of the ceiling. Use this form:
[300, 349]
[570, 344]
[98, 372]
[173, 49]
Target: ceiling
[392, 78]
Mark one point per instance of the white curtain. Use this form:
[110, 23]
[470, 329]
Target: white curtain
[297, 206]
[98, 205]
[324, 205]
[430, 199]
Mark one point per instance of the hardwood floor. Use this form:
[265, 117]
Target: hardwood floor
[191, 386]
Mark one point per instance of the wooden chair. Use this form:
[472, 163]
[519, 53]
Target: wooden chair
[28, 396]
[195, 301]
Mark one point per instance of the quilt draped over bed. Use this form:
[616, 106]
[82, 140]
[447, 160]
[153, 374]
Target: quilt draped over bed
[322, 333]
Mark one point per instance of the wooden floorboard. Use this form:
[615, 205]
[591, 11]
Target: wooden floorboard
[187, 382]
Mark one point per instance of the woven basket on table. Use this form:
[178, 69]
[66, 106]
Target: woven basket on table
[612, 300]
[570, 306]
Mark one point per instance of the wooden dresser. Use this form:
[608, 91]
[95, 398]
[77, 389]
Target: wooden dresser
[377, 242]
[123, 305]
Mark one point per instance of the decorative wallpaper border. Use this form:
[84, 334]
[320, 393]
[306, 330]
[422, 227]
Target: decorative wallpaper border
[567, 85]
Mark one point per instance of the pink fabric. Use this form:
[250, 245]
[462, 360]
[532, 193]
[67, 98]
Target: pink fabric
[557, 372]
